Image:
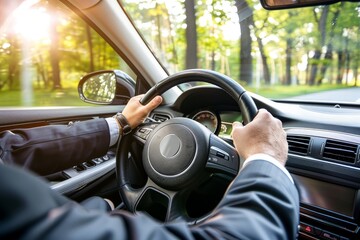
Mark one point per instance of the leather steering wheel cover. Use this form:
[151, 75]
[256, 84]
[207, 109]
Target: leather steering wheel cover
[234, 89]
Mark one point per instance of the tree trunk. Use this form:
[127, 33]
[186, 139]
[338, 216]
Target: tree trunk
[322, 29]
[288, 61]
[327, 61]
[54, 54]
[329, 49]
[90, 45]
[266, 70]
[322, 24]
[213, 64]
[191, 35]
[245, 20]
[348, 59]
[357, 60]
[314, 67]
[340, 69]
[13, 67]
[41, 72]
[356, 72]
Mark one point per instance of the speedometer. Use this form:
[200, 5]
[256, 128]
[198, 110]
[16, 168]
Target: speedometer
[208, 119]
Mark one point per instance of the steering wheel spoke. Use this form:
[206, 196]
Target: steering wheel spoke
[142, 132]
[168, 204]
[176, 208]
[131, 196]
[222, 157]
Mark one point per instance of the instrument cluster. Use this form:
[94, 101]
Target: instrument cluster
[220, 123]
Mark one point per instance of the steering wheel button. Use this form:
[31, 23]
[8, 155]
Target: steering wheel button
[213, 151]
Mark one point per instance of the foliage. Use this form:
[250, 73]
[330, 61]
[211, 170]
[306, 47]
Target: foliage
[26, 56]
[294, 45]
[289, 39]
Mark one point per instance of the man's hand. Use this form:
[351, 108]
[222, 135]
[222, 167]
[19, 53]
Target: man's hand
[136, 113]
[262, 135]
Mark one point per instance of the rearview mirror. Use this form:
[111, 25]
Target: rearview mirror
[106, 87]
[284, 4]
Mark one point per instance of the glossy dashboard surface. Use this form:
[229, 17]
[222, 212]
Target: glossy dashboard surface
[324, 154]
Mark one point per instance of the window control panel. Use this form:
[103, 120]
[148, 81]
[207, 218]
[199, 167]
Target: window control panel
[89, 164]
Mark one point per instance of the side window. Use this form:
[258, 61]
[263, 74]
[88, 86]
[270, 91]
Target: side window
[44, 51]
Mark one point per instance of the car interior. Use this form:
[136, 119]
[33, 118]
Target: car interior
[323, 137]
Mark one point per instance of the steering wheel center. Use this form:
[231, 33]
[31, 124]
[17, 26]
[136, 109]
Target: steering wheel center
[170, 151]
[172, 155]
[170, 146]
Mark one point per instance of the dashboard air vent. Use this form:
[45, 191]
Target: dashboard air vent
[298, 144]
[161, 117]
[340, 151]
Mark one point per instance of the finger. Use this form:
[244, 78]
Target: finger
[262, 113]
[237, 124]
[138, 97]
[155, 102]
[262, 116]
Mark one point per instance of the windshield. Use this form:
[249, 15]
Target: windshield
[308, 53]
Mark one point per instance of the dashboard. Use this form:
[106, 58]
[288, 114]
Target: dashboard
[323, 159]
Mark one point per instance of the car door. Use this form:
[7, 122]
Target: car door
[45, 50]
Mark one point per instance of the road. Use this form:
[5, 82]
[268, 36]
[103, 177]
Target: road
[339, 95]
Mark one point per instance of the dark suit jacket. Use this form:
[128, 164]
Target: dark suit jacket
[261, 203]
[50, 149]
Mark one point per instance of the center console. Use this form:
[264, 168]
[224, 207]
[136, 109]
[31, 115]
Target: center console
[325, 166]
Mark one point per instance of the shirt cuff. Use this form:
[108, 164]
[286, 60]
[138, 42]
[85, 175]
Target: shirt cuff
[113, 130]
[268, 158]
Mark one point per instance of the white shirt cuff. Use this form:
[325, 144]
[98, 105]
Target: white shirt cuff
[114, 130]
[268, 158]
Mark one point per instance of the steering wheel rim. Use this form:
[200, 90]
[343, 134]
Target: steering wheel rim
[234, 89]
[167, 141]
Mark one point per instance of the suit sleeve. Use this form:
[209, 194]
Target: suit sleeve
[261, 203]
[53, 148]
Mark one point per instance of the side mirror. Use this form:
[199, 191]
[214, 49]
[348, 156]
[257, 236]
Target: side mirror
[106, 87]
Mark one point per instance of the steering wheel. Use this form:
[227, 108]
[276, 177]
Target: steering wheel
[178, 154]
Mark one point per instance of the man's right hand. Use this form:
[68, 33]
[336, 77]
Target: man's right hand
[135, 113]
[262, 135]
